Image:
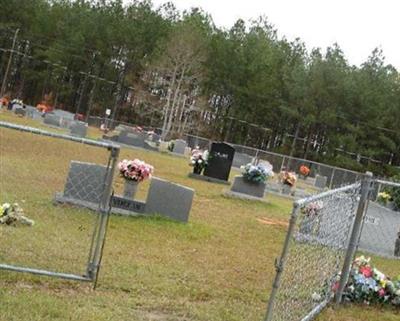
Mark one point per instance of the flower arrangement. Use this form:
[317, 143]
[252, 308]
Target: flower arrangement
[257, 173]
[369, 285]
[12, 214]
[304, 170]
[135, 170]
[199, 160]
[384, 197]
[288, 178]
[313, 209]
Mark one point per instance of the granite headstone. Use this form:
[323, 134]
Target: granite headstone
[85, 182]
[52, 119]
[220, 161]
[169, 199]
[179, 147]
[78, 128]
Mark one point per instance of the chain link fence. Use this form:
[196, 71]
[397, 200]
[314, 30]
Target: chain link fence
[63, 184]
[335, 176]
[381, 223]
[313, 254]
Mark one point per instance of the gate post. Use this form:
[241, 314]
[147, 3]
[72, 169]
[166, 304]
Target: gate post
[280, 263]
[353, 242]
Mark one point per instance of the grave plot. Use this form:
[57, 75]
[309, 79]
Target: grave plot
[33, 168]
[85, 180]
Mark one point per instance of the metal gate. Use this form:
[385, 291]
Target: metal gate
[314, 253]
[66, 240]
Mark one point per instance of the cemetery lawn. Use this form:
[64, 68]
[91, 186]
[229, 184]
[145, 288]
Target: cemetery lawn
[218, 267]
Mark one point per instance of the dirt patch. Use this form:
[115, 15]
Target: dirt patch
[269, 221]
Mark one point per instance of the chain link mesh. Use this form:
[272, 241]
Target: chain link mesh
[316, 250]
[50, 179]
[381, 223]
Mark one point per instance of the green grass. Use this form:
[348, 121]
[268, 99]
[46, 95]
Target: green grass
[219, 267]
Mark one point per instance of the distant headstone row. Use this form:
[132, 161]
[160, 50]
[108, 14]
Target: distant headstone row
[57, 118]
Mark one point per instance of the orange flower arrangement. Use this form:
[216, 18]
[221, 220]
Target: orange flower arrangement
[304, 170]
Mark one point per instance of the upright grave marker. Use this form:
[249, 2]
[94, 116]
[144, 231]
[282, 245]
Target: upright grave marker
[179, 147]
[78, 128]
[220, 161]
[84, 185]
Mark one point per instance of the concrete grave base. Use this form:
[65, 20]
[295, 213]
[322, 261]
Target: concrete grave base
[208, 179]
[230, 193]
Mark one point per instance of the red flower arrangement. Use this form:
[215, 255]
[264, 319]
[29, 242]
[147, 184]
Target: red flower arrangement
[304, 170]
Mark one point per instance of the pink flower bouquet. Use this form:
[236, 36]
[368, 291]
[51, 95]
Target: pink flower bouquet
[135, 170]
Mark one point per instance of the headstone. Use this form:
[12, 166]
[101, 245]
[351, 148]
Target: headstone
[320, 181]
[188, 151]
[241, 159]
[20, 111]
[16, 106]
[179, 147]
[66, 117]
[397, 246]
[66, 122]
[52, 119]
[134, 139]
[241, 185]
[78, 128]
[64, 114]
[220, 161]
[163, 147]
[169, 199]
[33, 113]
[85, 182]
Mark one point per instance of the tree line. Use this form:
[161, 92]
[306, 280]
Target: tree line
[178, 71]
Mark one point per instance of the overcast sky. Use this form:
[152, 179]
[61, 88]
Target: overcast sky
[358, 26]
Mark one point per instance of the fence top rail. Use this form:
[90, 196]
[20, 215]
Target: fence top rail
[394, 184]
[60, 136]
[313, 198]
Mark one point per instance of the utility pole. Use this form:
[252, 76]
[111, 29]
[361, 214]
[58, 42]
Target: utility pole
[3, 86]
[83, 85]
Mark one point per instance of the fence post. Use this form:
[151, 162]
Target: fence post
[255, 159]
[283, 163]
[280, 265]
[353, 242]
[332, 176]
[97, 244]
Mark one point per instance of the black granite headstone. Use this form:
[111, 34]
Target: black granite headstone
[220, 161]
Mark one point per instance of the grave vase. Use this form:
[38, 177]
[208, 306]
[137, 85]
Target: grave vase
[197, 169]
[130, 188]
